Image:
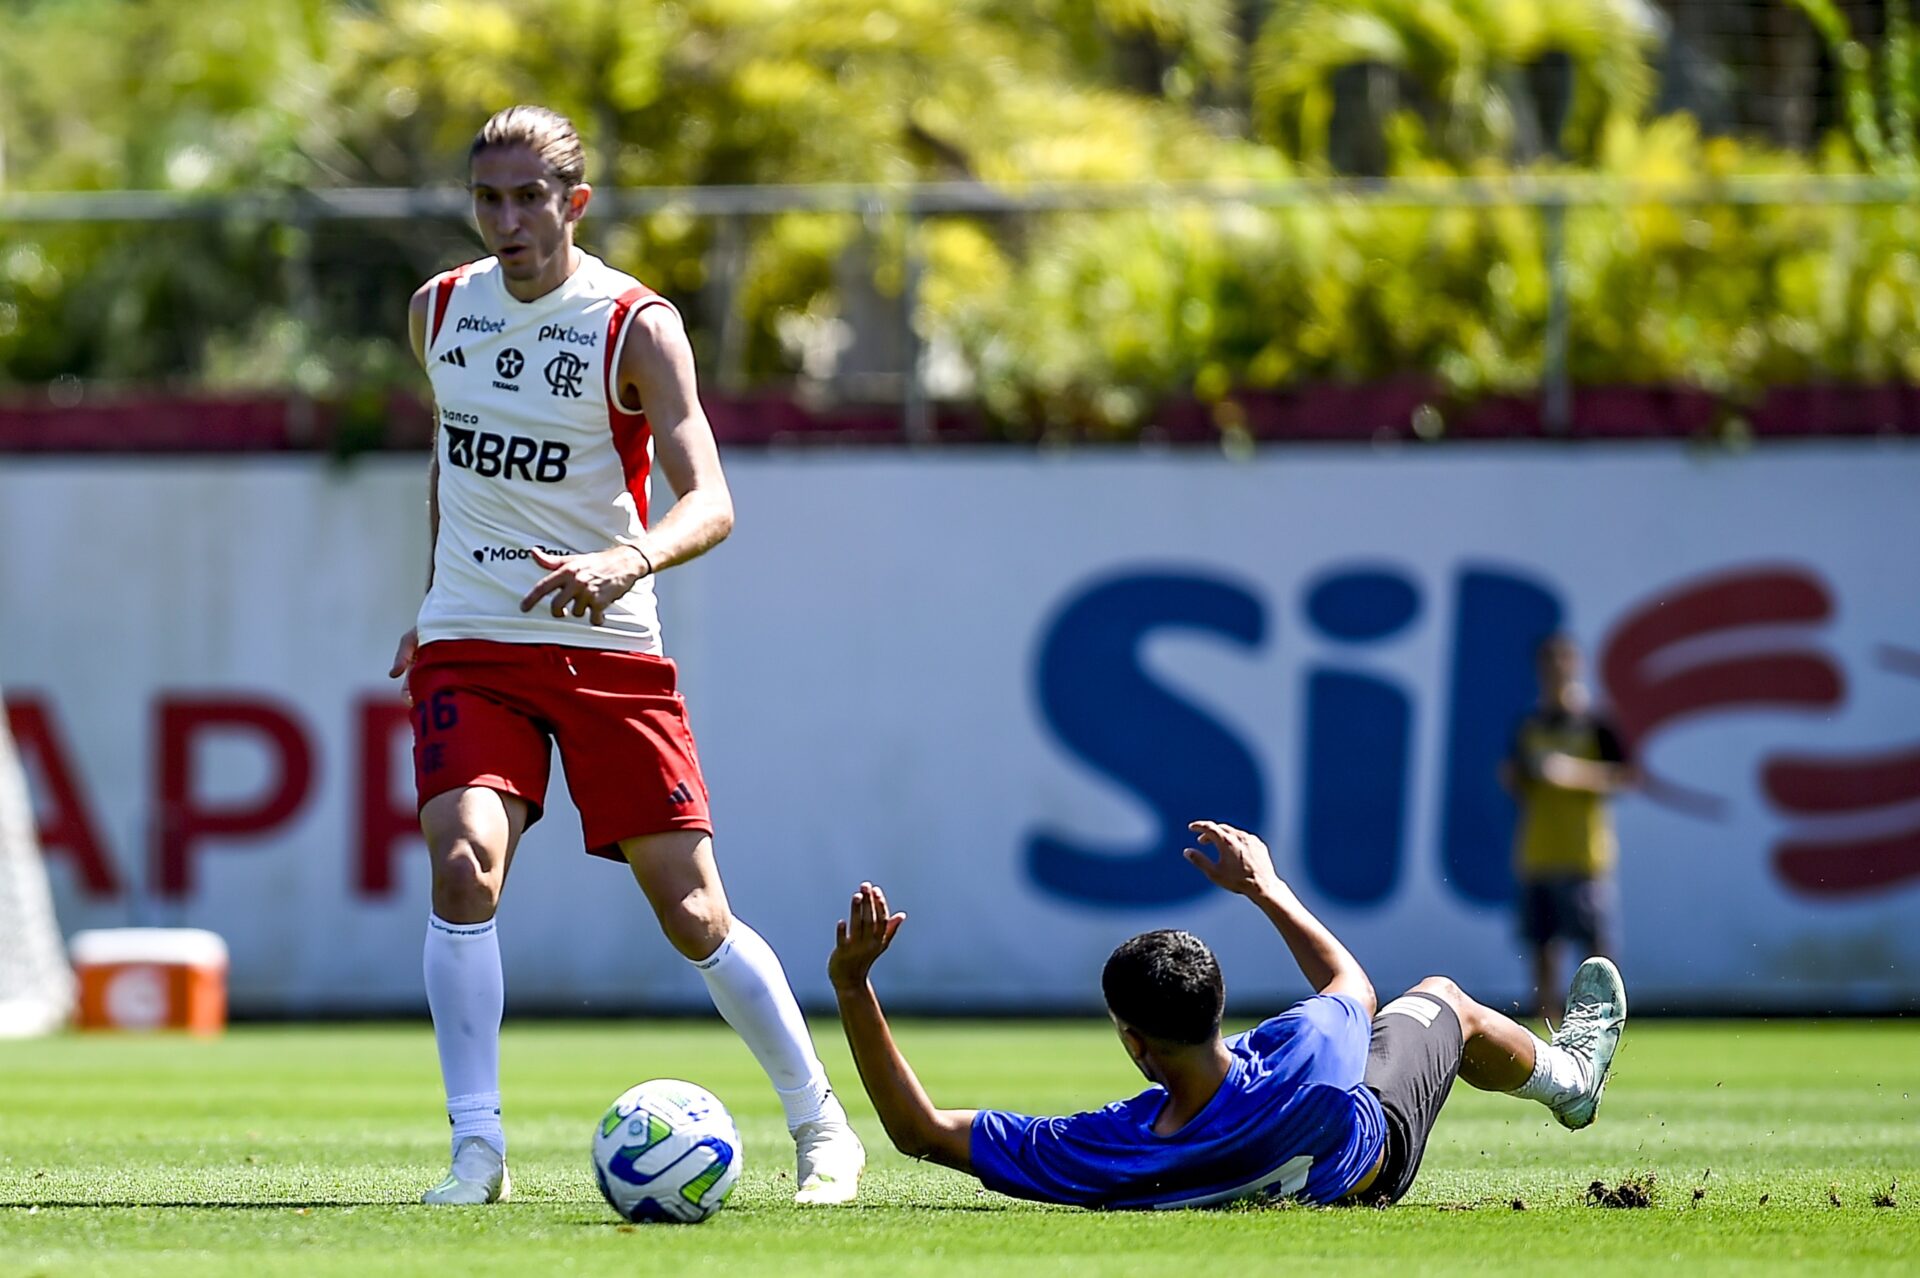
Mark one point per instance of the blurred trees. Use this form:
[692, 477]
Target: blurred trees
[1062, 321]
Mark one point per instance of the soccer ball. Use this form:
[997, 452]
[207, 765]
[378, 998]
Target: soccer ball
[666, 1152]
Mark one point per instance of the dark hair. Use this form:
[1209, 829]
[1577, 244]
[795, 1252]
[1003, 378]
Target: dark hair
[548, 134]
[1167, 985]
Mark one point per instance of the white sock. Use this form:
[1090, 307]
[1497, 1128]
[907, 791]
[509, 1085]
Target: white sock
[1557, 1074]
[466, 994]
[750, 989]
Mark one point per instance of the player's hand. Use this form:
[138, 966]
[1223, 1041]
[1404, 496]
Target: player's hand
[862, 937]
[403, 661]
[586, 584]
[1563, 770]
[1244, 866]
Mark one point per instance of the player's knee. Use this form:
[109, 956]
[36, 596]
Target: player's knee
[464, 891]
[1444, 989]
[696, 925]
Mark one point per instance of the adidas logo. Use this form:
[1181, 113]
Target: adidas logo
[455, 357]
[680, 794]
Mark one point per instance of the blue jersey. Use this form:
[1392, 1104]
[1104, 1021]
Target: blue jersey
[1292, 1119]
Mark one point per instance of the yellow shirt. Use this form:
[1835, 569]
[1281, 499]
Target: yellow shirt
[1561, 831]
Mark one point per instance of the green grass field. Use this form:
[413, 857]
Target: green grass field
[302, 1151]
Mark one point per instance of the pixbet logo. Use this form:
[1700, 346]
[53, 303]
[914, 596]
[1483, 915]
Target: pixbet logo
[479, 324]
[507, 456]
[567, 333]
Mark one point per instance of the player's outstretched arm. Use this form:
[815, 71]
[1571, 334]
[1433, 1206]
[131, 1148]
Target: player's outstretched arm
[915, 1127]
[1245, 868]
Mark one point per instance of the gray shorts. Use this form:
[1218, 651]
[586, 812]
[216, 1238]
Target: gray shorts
[1411, 1064]
[1570, 907]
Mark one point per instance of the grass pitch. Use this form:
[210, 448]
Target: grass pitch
[303, 1151]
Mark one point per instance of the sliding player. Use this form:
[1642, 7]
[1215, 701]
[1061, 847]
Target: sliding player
[1327, 1102]
[557, 382]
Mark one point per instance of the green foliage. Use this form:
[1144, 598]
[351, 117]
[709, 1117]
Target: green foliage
[1463, 57]
[1057, 322]
[1880, 108]
[1112, 311]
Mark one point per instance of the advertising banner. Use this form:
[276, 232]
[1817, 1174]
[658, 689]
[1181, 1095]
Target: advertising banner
[1000, 684]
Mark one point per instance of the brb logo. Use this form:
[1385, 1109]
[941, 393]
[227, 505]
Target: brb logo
[1711, 650]
[488, 455]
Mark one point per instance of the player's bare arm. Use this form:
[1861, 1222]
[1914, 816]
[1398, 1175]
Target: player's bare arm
[417, 310]
[1244, 867]
[915, 1126]
[656, 375]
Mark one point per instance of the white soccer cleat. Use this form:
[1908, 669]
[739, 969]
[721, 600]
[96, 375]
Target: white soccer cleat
[831, 1160]
[479, 1175]
[1596, 1013]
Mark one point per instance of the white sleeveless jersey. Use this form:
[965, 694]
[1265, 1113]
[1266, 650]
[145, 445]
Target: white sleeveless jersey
[535, 450]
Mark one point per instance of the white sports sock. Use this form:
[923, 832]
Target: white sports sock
[466, 993]
[750, 989]
[1557, 1074]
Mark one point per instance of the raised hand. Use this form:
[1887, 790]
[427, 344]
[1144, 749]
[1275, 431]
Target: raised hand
[1244, 866]
[862, 937]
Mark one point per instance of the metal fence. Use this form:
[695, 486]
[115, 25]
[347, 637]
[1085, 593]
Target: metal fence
[733, 208]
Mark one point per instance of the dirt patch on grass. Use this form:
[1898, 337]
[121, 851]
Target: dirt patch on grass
[1634, 1191]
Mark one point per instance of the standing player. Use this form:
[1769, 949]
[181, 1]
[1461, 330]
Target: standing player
[1567, 763]
[557, 382]
[1326, 1102]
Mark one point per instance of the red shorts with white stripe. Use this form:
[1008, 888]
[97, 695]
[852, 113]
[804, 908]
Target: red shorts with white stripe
[488, 714]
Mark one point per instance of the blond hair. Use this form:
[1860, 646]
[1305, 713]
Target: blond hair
[548, 134]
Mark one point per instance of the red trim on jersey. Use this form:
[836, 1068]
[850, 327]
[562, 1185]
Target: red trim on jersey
[630, 430]
[443, 298]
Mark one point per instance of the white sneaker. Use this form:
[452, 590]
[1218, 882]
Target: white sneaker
[831, 1160]
[1596, 1013]
[479, 1175]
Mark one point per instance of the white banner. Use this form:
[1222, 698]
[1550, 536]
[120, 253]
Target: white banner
[999, 684]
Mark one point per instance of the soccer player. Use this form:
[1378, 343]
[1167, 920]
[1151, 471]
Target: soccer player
[1565, 766]
[1325, 1103]
[558, 382]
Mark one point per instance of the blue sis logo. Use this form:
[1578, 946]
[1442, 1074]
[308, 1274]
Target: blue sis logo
[1104, 707]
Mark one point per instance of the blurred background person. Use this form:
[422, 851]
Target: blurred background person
[1567, 762]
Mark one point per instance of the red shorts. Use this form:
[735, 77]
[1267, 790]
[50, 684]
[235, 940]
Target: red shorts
[484, 714]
